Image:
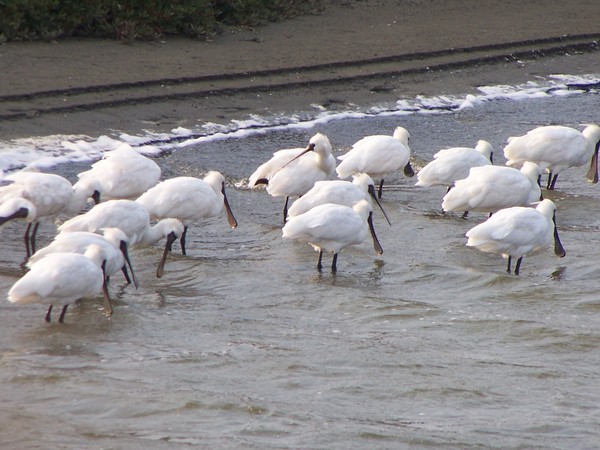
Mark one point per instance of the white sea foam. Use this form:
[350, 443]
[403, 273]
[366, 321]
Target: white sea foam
[48, 151]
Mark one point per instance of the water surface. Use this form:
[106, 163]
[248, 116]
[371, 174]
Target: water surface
[243, 344]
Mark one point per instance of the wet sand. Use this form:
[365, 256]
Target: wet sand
[352, 53]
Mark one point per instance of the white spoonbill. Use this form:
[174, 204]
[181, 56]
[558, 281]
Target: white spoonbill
[123, 173]
[340, 192]
[188, 199]
[293, 172]
[491, 188]
[133, 219]
[113, 241]
[332, 227]
[518, 231]
[36, 197]
[62, 279]
[555, 148]
[452, 164]
[378, 155]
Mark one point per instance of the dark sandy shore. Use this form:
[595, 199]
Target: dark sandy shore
[354, 52]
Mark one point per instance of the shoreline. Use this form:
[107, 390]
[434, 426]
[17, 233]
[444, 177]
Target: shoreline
[95, 87]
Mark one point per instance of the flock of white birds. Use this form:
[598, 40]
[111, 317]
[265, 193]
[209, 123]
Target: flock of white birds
[134, 208]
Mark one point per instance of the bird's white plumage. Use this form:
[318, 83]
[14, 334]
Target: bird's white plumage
[554, 148]
[299, 176]
[339, 192]
[17, 207]
[49, 194]
[266, 170]
[36, 197]
[61, 279]
[122, 174]
[291, 177]
[293, 172]
[186, 198]
[330, 227]
[79, 241]
[376, 155]
[491, 188]
[516, 232]
[131, 217]
[452, 164]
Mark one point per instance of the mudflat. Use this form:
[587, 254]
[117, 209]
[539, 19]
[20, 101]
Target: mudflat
[351, 53]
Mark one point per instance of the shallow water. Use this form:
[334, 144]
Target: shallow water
[243, 344]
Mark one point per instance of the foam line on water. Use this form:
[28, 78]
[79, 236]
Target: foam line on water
[48, 151]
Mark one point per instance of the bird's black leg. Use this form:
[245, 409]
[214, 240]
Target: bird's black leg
[285, 209]
[518, 266]
[319, 262]
[61, 319]
[508, 265]
[33, 235]
[182, 240]
[26, 240]
[551, 188]
[48, 318]
[125, 274]
[380, 190]
[334, 263]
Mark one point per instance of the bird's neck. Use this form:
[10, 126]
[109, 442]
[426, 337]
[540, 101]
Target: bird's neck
[152, 235]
